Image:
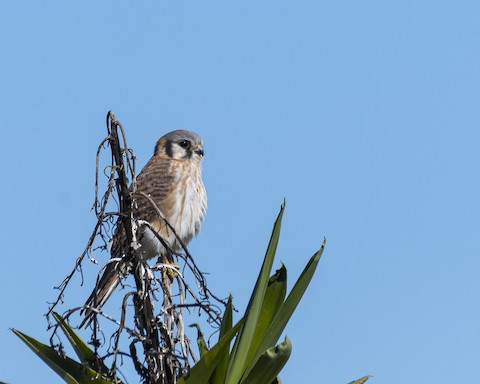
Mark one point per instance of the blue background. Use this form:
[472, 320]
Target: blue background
[364, 115]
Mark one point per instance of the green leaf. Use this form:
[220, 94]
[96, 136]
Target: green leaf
[361, 380]
[202, 345]
[285, 312]
[274, 298]
[69, 370]
[218, 376]
[201, 372]
[269, 364]
[83, 351]
[238, 359]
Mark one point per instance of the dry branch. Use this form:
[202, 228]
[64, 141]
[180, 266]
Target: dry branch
[167, 352]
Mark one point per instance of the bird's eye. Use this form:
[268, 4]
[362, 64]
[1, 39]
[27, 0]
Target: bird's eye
[184, 143]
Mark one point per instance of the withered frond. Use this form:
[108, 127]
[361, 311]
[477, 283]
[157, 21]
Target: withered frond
[162, 295]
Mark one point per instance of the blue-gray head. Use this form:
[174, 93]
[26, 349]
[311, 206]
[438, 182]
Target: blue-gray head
[180, 145]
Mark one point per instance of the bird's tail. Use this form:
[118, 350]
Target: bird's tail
[115, 271]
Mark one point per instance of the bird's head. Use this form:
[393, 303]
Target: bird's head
[180, 145]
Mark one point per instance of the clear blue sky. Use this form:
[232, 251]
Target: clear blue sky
[364, 115]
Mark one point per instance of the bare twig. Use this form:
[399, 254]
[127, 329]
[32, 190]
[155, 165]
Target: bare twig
[167, 352]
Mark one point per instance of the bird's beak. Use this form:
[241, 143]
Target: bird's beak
[199, 150]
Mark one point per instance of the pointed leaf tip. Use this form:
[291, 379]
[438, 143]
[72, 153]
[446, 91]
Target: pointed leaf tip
[81, 348]
[202, 345]
[239, 357]
[269, 364]
[361, 380]
[69, 370]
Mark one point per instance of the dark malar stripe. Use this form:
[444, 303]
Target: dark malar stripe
[168, 149]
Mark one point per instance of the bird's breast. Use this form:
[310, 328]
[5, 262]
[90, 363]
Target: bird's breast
[189, 201]
[184, 209]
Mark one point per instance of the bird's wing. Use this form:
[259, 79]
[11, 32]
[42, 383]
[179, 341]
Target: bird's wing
[155, 180]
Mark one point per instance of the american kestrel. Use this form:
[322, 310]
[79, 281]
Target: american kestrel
[172, 179]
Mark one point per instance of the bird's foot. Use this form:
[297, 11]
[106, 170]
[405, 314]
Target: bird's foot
[169, 269]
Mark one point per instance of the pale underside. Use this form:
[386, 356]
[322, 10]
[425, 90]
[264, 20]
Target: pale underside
[167, 190]
[176, 194]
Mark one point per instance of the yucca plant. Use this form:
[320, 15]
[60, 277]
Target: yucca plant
[255, 356]
[89, 370]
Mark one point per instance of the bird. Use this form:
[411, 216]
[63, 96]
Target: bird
[172, 180]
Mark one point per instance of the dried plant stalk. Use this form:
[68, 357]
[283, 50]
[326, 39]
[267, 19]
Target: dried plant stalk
[167, 352]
